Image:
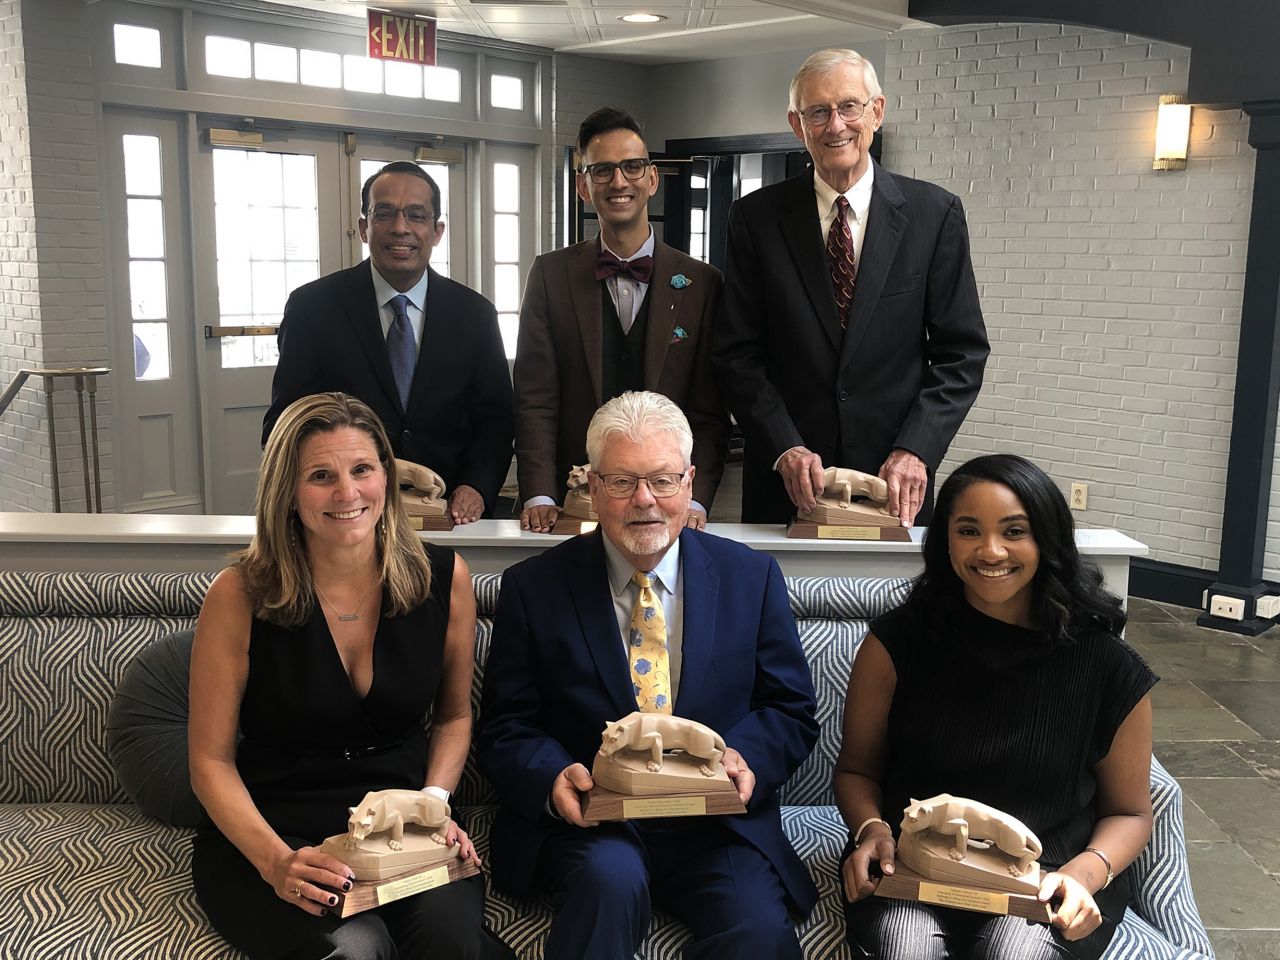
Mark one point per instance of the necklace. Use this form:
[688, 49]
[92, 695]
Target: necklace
[347, 617]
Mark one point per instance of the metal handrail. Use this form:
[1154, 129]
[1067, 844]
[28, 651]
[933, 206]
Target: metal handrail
[84, 377]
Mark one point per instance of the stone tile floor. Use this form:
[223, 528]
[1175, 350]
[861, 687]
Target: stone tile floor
[1217, 729]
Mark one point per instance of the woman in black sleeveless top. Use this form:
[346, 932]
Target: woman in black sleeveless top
[318, 655]
[1002, 679]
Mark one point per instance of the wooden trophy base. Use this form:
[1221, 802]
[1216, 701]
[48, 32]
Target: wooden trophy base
[567, 526]
[835, 520]
[928, 855]
[626, 790]
[384, 875]
[431, 523]
[906, 884]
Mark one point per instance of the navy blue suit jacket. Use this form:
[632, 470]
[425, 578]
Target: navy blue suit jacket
[459, 422]
[557, 673]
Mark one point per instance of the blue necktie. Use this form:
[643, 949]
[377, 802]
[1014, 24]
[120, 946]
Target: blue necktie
[402, 348]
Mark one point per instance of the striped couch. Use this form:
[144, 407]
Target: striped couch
[84, 873]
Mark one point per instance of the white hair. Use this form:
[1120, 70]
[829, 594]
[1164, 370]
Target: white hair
[635, 415]
[826, 61]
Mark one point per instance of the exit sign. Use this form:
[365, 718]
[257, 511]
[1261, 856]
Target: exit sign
[412, 39]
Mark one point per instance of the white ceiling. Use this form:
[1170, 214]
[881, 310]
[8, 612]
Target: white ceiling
[693, 30]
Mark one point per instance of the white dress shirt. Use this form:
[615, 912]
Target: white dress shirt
[859, 197]
[417, 294]
[628, 294]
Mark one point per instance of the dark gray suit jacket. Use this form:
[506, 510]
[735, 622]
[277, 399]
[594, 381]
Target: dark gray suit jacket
[902, 373]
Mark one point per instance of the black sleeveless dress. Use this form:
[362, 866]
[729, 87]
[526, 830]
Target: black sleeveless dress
[1004, 715]
[312, 747]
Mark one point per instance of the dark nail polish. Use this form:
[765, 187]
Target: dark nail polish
[351, 877]
[324, 912]
[346, 885]
[333, 901]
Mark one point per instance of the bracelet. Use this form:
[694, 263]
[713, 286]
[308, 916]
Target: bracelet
[857, 834]
[1106, 862]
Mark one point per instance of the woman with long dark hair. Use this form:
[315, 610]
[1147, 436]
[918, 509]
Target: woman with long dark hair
[1002, 679]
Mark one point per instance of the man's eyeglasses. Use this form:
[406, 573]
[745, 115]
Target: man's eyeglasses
[416, 215]
[819, 115]
[632, 169]
[623, 485]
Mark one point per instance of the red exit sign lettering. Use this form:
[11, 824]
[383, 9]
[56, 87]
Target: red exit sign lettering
[412, 39]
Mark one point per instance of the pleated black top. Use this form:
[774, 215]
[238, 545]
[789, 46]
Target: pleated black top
[1004, 715]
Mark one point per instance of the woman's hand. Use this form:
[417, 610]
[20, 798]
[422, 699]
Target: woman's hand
[300, 877]
[861, 869]
[1076, 915]
[451, 834]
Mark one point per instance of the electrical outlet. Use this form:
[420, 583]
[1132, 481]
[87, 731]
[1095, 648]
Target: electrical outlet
[1230, 608]
[1079, 496]
[1268, 606]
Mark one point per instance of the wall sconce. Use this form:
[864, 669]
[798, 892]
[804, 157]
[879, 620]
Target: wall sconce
[1173, 130]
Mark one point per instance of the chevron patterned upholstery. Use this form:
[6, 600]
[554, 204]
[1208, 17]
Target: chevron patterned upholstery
[85, 874]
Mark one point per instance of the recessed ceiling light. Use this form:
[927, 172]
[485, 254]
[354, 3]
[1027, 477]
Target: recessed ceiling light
[642, 18]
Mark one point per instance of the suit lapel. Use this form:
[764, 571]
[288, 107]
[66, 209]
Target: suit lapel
[802, 234]
[584, 291]
[433, 364]
[664, 309]
[701, 601]
[593, 601]
[886, 224]
[361, 305]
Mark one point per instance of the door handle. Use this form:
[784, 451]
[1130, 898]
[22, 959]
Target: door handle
[214, 333]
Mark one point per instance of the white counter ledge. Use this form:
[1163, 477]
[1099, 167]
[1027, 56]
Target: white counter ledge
[175, 543]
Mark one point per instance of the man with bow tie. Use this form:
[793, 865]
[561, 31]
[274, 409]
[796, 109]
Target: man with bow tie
[622, 311]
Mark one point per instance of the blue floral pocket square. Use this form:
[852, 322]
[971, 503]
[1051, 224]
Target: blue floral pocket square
[680, 281]
[678, 334]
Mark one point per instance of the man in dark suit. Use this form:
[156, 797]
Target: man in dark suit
[361, 331]
[703, 631]
[850, 332]
[619, 312]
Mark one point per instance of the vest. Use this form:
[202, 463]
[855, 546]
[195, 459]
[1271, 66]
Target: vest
[623, 366]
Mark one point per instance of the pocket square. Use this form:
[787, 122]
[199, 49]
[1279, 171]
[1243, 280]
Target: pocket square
[678, 334]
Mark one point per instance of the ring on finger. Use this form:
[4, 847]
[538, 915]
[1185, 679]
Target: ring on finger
[297, 890]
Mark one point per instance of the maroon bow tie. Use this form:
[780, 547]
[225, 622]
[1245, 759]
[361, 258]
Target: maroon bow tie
[607, 265]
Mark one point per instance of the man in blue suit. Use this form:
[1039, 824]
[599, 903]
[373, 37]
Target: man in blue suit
[562, 665]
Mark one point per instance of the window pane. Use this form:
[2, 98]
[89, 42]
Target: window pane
[138, 46]
[269, 293]
[509, 326]
[266, 233]
[697, 183]
[403, 79]
[506, 92]
[362, 74]
[266, 185]
[227, 57]
[696, 218]
[506, 238]
[298, 272]
[299, 172]
[300, 240]
[146, 228]
[443, 83]
[141, 165]
[237, 351]
[274, 62]
[695, 246]
[320, 69]
[506, 187]
[148, 292]
[506, 287]
[234, 291]
[151, 351]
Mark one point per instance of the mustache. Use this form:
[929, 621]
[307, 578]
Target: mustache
[638, 516]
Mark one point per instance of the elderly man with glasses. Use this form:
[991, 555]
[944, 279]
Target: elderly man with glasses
[621, 311]
[850, 333]
[446, 403]
[646, 615]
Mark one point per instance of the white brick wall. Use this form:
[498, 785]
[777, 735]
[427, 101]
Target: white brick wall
[51, 272]
[1111, 292]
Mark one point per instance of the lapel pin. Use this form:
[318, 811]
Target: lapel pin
[680, 281]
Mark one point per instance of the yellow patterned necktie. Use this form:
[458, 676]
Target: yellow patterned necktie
[647, 646]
